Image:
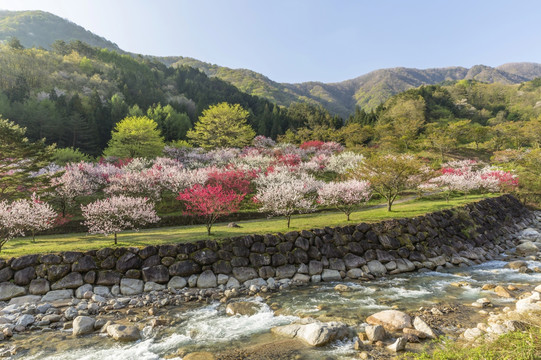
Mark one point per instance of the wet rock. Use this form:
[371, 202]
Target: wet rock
[331, 275]
[38, 287]
[398, 345]
[177, 282]
[123, 332]
[375, 333]
[391, 320]
[420, 325]
[376, 268]
[342, 288]
[71, 281]
[526, 248]
[131, 287]
[57, 295]
[515, 265]
[314, 334]
[9, 290]
[503, 292]
[206, 279]
[242, 308]
[83, 325]
[482, 303]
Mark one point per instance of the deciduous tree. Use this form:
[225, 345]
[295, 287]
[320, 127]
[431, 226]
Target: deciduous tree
[135, 137]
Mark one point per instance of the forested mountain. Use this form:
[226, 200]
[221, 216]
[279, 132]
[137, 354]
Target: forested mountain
[42, 29]
[37, 28]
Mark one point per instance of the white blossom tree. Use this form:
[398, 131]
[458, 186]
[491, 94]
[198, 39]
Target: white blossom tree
[345, 196]
[283, 192]
[118, 213]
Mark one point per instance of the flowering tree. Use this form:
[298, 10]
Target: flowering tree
[40, 216]
[344, 162]
[210, 202]
[283, 192]
[118, 213]
[73, 183]
[236, 180]
[345, 195]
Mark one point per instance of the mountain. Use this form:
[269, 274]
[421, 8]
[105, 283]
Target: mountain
[41, 29]
[37, 28]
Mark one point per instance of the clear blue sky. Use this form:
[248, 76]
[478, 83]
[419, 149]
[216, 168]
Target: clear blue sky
[305, 40]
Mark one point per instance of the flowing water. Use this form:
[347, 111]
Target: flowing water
[198, 327]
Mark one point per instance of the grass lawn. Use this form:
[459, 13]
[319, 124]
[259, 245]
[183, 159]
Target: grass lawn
[168, 235]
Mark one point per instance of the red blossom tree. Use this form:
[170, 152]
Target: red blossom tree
[236, 180]
[210, 202]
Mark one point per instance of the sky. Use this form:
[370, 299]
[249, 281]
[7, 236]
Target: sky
[313, 40]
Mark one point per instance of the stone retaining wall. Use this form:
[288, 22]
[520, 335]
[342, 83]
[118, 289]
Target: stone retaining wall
[473, 233]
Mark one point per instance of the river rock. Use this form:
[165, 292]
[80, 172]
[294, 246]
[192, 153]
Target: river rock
[420, 325]
[27, 299]
[192, 280]
[472, 334]
[375, 333]
[25, 320]
[55, 295]
[102, 291]
[70, 313]
[515, 265]
[200, 355]
[355, 273]
[177, 282]
[398, 345]
[527, 248]
[418, 334]
[83, 325]
[24, 276]
[391, 320]
[152, 286]
[71, 281]
[232, 283]
[315, 267]
[528, 304]
[9, 290]
[242, 308]
[285, 271]
[331, 275]
[301, 278]
[206, 280]
[503, 292]
[376, 268]
[81, 290]
[342, 288]
[84, 264]
[123, 332]
[314, 334]
[158, 274]
[222, 279]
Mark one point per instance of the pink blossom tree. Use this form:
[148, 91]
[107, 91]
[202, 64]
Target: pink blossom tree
[118, 213]
[345, 196]
[41, 216]
[283, 193]
[210, 202]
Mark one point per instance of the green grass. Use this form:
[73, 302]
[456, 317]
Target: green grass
[517, 345]
[168, 235]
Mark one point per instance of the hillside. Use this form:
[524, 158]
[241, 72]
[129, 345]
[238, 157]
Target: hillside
[37, 28]
[41, 29]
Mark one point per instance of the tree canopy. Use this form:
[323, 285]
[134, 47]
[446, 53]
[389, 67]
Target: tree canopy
[136, 136]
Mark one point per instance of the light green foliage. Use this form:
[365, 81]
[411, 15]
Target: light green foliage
[135, 137]
[172, 124]
[222, 125]
[68, 155]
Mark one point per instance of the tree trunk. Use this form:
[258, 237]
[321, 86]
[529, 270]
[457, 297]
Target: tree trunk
[209, 226]
[389, 204]
[347, 214]
[115, 239]
[33, 236]
[288, 221]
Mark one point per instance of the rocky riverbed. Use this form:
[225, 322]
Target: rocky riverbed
[469, 300]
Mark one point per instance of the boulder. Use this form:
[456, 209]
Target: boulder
[108, 278]
[232, 283]
[57, 295]
[259, 282]
[102, 291]
[199, 355]
[301, 278]
[207, 279]
[314, 334]
[24, 276]
[24, 262]
[391, 320]
[39, 287]
[472, 334]
[243, 308]
[27, 299]
[398, 345]
[131, 286]
[503, 292]
[285, 271]
[527, 248]
[81, 290]
[184, 268]
[376, 268]
[177, 282]
[71, 281]
[355, 273]
[83, 325]
[84, 264]
[375, 333]
[128, 261]
[315, 267]
[420, 325]
[331, 275]
[123, 332]
[9, 290]
[516, 265]
[57, 272]
[25, 320]
[205, 257]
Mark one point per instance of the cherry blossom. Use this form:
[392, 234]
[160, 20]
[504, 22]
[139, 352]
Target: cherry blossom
[344, 196]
